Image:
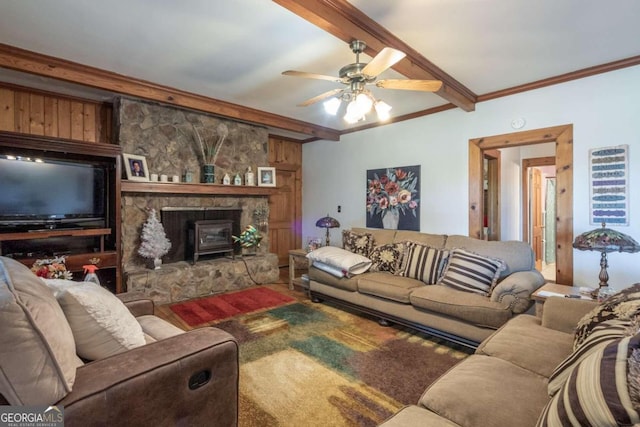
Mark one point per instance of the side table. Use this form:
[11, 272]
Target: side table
[297, 254]
[553, 289]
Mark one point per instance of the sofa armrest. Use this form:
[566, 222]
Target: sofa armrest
[563, 314]
[137, 305]
[516, 289]
[162, 383]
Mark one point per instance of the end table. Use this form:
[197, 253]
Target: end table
[554, 289]
[301, 256]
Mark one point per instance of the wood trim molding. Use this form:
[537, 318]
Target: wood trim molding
[563, 137]
[526, 164]
[341, 19]
[48, 66]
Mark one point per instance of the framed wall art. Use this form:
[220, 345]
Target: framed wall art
[136, 167]
[266, 176]
[393, 198]
[609, 185]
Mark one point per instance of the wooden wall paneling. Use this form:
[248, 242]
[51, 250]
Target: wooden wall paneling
[50, 116]
[7, 110]
[89, 122]
[36, 114]
[22, 112]
[77, 118]
[41, 113]
[64, 118]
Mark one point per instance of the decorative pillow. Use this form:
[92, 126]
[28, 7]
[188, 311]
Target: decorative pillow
[624, 305]
[470, 272]
[600, 336]
[347, 261]
[102, 325]
[58, 286]
[424, 263]
[358, 243]
[387, 257]
[598, 391]
[38, 358]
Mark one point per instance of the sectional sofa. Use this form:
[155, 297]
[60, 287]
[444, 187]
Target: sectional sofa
[576, 365]
[436, 299]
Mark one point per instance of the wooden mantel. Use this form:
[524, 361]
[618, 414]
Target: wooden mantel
[195, 189]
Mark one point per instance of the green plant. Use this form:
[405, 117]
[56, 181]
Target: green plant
[249, 238]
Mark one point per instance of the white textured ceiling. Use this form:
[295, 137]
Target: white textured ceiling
[236, 50]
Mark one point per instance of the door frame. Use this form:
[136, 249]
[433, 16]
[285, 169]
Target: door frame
[562, 136]
[526, 164]
[494, 159]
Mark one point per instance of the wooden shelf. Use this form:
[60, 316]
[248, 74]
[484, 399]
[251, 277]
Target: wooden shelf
[45, 234]
[190, 188]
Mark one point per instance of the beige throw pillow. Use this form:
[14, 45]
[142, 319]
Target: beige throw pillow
[38, 358]
[102, 325]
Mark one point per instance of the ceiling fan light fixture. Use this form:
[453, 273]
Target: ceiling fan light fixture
[332, 105]
[383, 110]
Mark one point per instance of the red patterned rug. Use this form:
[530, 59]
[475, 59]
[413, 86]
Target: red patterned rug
[199, 311]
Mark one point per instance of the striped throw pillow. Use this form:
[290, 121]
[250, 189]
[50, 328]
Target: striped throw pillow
[600, 336]
[424, 263]
[470, 272]
[597, 393]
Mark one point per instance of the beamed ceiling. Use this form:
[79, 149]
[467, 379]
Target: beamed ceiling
[226, 57]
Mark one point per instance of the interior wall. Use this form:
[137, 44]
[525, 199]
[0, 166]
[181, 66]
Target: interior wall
[603, 110]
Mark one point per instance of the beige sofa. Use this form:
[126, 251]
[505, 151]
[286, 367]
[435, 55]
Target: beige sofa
[463, 317]
[143, 371]
[528, 374]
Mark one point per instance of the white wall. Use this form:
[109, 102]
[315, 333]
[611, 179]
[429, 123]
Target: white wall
[603, 110]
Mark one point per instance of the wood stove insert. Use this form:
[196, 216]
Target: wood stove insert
[210, 237]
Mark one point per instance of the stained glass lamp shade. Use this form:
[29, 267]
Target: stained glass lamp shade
[327, 222]
[605, 240]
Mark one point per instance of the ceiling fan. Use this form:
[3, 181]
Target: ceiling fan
[358, 75]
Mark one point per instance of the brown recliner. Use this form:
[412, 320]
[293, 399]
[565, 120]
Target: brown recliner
[169, 378]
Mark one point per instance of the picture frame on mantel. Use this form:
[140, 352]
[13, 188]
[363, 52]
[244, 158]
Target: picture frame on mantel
[136, 167]
[266, 176]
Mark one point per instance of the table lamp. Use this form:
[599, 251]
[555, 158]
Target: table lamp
[605, 240]
[327, 222]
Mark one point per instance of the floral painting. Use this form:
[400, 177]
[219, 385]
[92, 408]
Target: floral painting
[393, 198]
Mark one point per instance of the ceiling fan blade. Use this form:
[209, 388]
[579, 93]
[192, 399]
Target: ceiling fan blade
[311, 76]
[386, 58]
[320, 97]
[423, 85]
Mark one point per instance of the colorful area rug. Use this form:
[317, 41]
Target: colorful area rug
[204, 310]
[307, 364]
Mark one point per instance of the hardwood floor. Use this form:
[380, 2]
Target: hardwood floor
[164, 312]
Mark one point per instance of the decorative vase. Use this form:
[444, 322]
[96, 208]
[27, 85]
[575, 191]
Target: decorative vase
[157, 263]
[390, 220]
[207, 174]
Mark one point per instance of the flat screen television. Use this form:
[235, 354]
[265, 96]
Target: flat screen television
[50, 192]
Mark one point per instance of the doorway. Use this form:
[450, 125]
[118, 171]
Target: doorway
[538, 212]
[562, 136]
[491, 206]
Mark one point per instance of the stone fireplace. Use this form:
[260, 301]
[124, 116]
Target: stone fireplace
[165, 136]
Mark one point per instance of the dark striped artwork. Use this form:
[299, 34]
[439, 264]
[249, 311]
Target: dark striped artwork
[609, 182]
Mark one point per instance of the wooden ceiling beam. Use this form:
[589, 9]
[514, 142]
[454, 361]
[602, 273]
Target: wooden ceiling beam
[344, 21]
[48, 66]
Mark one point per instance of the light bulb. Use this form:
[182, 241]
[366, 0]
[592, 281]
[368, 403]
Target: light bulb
[353, 113]
[364, 102]
[331, 106]
[383, 110]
